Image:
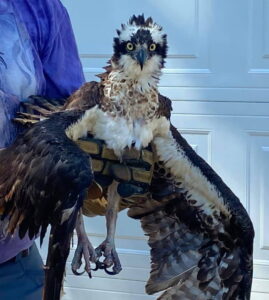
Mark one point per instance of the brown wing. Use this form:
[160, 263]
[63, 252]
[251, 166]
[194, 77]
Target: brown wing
[44, 177]
[89, 95]
[200, 235]
[38, 108]
[165, 106]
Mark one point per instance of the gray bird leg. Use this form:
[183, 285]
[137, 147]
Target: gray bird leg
[107, 248]
[84, 248]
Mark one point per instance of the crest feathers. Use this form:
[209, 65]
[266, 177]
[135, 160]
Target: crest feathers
[141, 21]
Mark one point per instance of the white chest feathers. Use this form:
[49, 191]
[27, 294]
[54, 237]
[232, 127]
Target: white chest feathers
[117, 131]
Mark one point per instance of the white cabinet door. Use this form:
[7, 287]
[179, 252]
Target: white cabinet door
[217, 74]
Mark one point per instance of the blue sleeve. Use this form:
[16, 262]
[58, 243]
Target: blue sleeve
[50, 30]
[61, 64]
[9, 105]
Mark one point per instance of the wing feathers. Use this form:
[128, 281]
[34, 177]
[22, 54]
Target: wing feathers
[39, 171]
[171, 261]
[44, 177]
[200, 235]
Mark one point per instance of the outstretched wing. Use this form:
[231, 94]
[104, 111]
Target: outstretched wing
[38, 108]
[200, 235]
[43, 180]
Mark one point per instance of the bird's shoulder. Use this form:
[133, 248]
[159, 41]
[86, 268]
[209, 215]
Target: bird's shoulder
[87, 96]
[165, 106]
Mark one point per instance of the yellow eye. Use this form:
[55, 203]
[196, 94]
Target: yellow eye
[130, 46]
[152, 47]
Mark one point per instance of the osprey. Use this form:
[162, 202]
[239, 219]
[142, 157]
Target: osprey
[200, 235]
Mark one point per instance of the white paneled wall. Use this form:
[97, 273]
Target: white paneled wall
[217, 74]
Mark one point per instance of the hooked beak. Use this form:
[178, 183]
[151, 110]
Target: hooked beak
[141, 57]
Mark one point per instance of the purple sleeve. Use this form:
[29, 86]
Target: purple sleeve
[8, 108]
[50, 30]
[61, 64]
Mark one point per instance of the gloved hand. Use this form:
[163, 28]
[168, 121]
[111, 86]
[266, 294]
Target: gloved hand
[133, 171]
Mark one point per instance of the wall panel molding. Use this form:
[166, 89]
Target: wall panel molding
[258, 190]
[259, 38]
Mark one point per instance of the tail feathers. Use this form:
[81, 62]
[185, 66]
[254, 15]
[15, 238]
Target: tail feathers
[59, 247]
[53, 283]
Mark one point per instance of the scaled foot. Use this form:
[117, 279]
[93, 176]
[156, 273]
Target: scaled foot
[108, 250]
[84, 248]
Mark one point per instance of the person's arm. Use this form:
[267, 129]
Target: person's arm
[50, 30]
[61, 64]
[9, 105]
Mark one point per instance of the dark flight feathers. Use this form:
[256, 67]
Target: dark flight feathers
[43, 180]
[195, 255]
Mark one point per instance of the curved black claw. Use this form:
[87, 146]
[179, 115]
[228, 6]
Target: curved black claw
[78, 273]
[98, 265]
[108, 250]
[101, 266]
[86, 250]
[77, 262]
[113, 272]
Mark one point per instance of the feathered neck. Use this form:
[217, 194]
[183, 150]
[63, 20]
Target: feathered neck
[126, 69]
[129, 96]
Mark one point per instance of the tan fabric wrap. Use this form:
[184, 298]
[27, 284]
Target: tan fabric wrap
[142, 175]
[97, 165]
[96, 203]
[148, 156]
[108, 154]
[95, 191]
[97, 207]
[94, 207]
[88, 146]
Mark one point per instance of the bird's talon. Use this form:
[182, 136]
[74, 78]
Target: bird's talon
[110, 272]
[108, 262]
[77, 273]
[96, 267]
[94, 258]
[84, 249]
[111, 259]
[99, 266]
[98, 252]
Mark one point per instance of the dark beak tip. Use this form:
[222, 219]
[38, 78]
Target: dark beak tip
[141, 58]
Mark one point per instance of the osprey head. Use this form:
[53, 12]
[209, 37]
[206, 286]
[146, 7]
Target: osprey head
[140, 47]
